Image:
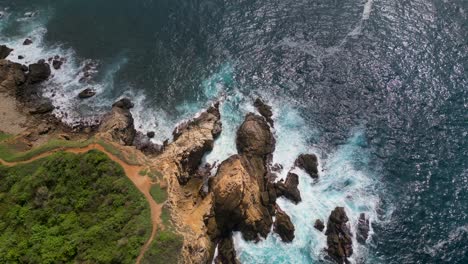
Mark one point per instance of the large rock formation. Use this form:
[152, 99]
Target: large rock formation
[339, 242]
[4, 51]
[309, 163]
[241, 185]
[283, 225]
[38, 72]
[289, 188]
[319, 225]
[11, 75]
[226, 252]
[118, 123]
[363, 229]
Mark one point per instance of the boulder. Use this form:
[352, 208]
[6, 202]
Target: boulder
[87, 93]
[283, 226]
[119, 123]
[339, 241]
[226, 252]
[4, 51]
[309, 163]
[20, 57]
[42, 108]
[254, 137]
[38, 72]
[289, 188]
[319, 225]
[11, 75]
[57, 64]
[27, 42]
[264, 110]
[363, 229]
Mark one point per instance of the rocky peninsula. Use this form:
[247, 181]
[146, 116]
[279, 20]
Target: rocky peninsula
[205, 209]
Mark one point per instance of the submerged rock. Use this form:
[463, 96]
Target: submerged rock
[309, 163]
[283, 226]
[226, 252]
[319, 225]
[38, 72]
[150, 134]
[119, 123]
[57, 64]
[87, 93]
[339, 242]
[363, 229]
[4, 51]
[289, 189]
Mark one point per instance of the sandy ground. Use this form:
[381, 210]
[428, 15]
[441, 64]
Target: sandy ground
[12, 121]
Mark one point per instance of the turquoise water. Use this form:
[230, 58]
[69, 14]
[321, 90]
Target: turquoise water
[377, 88]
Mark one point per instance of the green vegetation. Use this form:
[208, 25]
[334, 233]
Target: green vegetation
[10, 152]
[70, 208]
[116, 152]
[4, 136]
[159, 194]
[143, 172]
[155, 174]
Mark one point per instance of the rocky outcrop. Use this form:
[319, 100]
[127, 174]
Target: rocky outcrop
[38, 72]
[11, 75]
[289, 188]
[241, 187]
[43, 107]
[226, 252]
[264, 110]
[27, 42]
[339, 242]
[283, 226]
[118, 124]
[319, 225]
[363, 229]
[86, 93]
[309, 163]
[4, 51]
[143, 143]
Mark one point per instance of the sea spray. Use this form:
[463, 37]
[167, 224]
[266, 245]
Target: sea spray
[345, 180]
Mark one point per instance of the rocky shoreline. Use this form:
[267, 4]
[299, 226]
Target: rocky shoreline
[206, 210]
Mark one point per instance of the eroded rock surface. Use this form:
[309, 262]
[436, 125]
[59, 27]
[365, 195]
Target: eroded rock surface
[289, 188]
[309, 163]
[118, 124]
[319, 225]
[264, 110]
[339, 242]
[226, 252]
[363, 229]
[4, 51]
[38, 72]
[283, 225]
[11, 75]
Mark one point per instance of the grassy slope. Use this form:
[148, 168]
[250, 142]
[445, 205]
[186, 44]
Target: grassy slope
[71, 208]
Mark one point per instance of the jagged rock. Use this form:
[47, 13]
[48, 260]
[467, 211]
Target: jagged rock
[309, 163]
[226, 252]
[362, 229]
[20, 57]
[124, 103]
[118, 123]
[190, 160]
[277, 167]
[38, 72]
[339, 242]
[4, 51]
[283, 225]
[42, 108]
[150, 134]
[143, 143]
[319, 225]
[264, 110]
[27, 42]
[289, 188]
[254, 137]
[87, 93]
[11, 75]
[57, 64]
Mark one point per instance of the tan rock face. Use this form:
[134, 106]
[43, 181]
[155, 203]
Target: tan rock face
[118, 123]
[254, 137]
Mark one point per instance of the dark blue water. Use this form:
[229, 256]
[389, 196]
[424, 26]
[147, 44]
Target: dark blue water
[385, 80]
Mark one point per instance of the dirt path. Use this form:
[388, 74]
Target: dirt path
[142, 183]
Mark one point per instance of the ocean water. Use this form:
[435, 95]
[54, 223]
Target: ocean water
[378, 89]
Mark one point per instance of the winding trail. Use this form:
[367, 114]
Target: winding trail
[142, 183]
